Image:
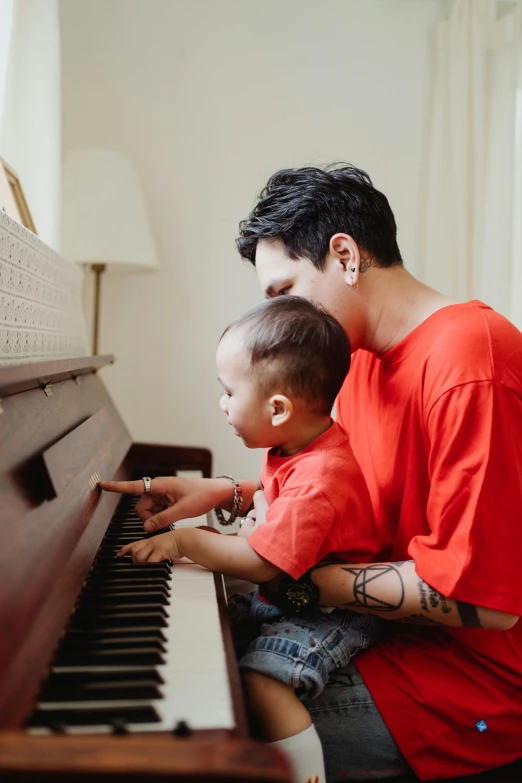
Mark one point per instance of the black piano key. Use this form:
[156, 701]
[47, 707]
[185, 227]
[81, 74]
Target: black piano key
[105, 600]
[144, 568]
[128, 674]
[127, 588]
[108, 690]
[114, 633]
[148, 656]
[87, 612]
[92, 715]
[97, 642]
[117, 582]
[120, 619]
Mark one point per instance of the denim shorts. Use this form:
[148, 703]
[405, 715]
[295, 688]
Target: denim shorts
[299, 651]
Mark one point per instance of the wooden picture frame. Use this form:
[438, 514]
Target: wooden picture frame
[12, 199]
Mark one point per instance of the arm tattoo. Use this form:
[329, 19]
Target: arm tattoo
[468, 615]
[431, 597]
[365, 582]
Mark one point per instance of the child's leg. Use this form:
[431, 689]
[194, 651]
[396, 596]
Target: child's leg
[285, 722]
[274, 706]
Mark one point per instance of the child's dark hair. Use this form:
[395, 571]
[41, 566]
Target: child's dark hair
[295, 347]
[305, 207]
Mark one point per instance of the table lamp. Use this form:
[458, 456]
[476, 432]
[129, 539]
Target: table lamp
[104, 218]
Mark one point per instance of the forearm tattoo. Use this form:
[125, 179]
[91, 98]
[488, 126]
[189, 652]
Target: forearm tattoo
[375, 595]
[430, 597]
[366, 587]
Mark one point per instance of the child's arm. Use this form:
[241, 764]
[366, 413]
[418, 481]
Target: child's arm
[229, 555]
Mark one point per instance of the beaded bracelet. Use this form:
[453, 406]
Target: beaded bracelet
[236, 503]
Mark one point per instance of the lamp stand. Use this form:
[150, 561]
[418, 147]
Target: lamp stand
[98, 270]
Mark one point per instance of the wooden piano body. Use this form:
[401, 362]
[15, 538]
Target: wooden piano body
[59, 434]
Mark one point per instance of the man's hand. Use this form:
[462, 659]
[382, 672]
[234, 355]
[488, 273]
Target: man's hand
[171, 498]
[256, 517]
[155, 549]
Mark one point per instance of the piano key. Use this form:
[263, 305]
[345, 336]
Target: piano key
[152, 569]
[93, 713]
[120, 619]
[130, 690]
[148, 656]
[100, 642]
[115, 581]
[73, 675]
[75, 635]
[107, 598]
[85, 612]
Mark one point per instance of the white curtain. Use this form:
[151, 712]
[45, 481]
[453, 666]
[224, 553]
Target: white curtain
[471, 235]
[6, 24]
[30, 111]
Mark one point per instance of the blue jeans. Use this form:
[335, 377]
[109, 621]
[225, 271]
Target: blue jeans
[312, 654]
[357, 744]
[300, 651]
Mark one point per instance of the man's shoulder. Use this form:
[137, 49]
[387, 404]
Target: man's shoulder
[474, 343]
[458, 344]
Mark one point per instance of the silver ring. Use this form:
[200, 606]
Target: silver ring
[146, 483]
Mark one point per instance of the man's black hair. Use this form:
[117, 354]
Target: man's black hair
[295, 347]
[305, 207]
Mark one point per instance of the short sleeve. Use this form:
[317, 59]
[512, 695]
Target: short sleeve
[473, 551]
[298, 523]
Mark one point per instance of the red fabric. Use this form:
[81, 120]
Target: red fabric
[318, 505]
[436, 426]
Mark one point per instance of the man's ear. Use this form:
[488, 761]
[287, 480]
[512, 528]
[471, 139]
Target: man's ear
[345, 252]
[281, 408]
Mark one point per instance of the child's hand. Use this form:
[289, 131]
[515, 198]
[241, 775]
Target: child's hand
[155, 549]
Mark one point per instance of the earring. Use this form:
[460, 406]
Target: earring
[353, 269]
[356, 286]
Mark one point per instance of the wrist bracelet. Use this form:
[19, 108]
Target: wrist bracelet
[236, 503]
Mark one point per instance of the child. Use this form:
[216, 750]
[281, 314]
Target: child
[281, 366]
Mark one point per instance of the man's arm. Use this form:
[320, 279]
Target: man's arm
[394, 591]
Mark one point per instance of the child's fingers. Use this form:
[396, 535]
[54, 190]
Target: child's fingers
[142, 554]
[133, 548]
[157, 556]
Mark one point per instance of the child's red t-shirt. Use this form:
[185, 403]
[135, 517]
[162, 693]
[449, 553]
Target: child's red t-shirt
[436, 426]
[318, 505]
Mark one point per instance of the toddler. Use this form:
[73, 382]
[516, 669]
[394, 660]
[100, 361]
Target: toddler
[281, 366]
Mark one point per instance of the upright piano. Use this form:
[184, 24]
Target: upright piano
[108, 670]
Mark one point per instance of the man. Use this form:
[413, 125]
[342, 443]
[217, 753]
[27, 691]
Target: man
[433, 408]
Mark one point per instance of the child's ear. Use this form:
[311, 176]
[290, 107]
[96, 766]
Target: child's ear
[281, 408]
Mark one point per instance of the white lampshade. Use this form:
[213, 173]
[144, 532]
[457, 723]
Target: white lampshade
[104, 218]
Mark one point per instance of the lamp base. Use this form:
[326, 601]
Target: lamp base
[98, 270]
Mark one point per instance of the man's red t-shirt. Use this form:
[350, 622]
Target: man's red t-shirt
[318, 505]
[436, 426]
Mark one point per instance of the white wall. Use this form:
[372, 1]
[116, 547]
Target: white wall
[209, 97]
[30, 118]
